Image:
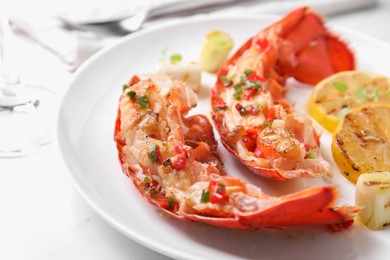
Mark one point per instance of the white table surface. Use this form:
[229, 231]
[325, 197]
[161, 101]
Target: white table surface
[43, 217]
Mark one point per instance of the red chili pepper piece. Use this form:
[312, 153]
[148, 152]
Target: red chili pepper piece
[249, 140]
[134, 80]
[253, 110]
[166, 204]
[254, 77]
[151, 186]
[262, 43]
[158, 155]
[212, 185]
[251, 131]
[271, 114]
[181, 157]
[221, 106]
[248, 93]
[218, 192]
[218, 198]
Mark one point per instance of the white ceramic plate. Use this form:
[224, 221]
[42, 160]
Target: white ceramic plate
[86, 125]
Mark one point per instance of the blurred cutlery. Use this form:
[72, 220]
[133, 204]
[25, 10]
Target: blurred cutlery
[125, 24]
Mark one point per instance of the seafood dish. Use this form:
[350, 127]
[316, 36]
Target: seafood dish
[172, 158]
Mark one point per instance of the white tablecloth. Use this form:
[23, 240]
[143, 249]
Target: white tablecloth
[42, 216]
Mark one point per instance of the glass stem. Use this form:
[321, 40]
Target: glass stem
[12, 92]
[7, 76]
[2, 40]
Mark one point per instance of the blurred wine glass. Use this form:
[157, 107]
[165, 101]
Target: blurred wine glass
[24, 119]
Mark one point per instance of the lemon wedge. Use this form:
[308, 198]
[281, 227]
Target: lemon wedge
[215, 50]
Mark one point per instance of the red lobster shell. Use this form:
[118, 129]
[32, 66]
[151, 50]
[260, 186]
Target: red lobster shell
[254, 121]
[172, 160]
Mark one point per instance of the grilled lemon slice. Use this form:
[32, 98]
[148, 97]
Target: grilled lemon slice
[334, 96]
[361, 142]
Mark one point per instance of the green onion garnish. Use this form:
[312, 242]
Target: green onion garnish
[142, 101]
[220, 108]
[237, 91]
[125, 86]
[176, 57]
[340, 86]
[164, 51]
[267, 124]
[248, 72]
[153, 153]
[251, 84]
[242, 80]
[227, 82]
[361, 93]
[375, 97]
[171, 203]
[131, 94]
[205, 196]
[167, 162]
[224, 79]
[221, 187]
[310, 154]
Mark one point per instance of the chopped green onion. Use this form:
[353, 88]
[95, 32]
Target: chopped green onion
[142, 101]
[375, 97]
[224, 79]
[231, 78]
[167, 162]
[176, 57]
[171, 202]
[310, 154]
[205, 196]
[153, 153]
[153, 191]
[125, 86]
[242, 80]
[248, 72]
[131, 94]
[220, 108]
[267, 124]
[164, 51]
[237, 91]
[361, 93]
[342, 112]
[221, 187]
[148, 186]
[251, 84]
[340, 86]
